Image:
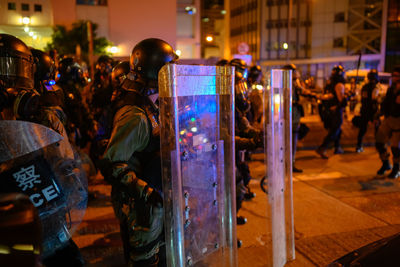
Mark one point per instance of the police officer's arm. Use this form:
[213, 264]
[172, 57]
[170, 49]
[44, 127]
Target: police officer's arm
[339, 89]
[130, 133]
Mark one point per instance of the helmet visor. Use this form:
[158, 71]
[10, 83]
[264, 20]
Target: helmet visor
[18, 72]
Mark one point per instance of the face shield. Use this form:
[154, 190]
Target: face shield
[16, 72]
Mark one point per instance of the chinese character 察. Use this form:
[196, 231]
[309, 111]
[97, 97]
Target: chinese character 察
[26, 177]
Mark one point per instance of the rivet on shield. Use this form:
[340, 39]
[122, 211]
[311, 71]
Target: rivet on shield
[185, 155]
[186, 194]
[214, 147]
[187, 222]
[216, 245]
[215, 184]
[215, 202]
[189, 261]
[187, 208]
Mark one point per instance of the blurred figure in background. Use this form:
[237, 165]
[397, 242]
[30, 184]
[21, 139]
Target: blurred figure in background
[389, 130]
[297, 109]
[101, 88]
[369, 106]
[335, 101]
[255, 84]
[80, 123]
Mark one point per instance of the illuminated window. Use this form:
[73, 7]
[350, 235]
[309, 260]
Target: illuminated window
[12, 6]
[38, 8]
[92, 2]
[25, 7]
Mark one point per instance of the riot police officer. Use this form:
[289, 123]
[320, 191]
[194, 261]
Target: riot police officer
[133, 156]
[19, 100]
[369, 106]
[119, 78]
[255, 83]
[336, 101]
[101, 87]
[246, 136]
[71, 80]
[297, 109]
[51, 96]
[390, 128]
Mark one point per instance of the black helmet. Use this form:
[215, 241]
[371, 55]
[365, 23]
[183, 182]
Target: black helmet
[104, 64]
[373, 75]
[337, 75]
[241, 96]
[222, 62]
[104, 59]
[45, 67]
[69, 70]
[119, 73]
[16, 63]
[240, 68]
[148, 56]
[255, 74]
[338, 70]
[289, 67]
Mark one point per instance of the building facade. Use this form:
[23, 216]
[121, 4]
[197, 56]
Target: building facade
[315, 35]
[188, 29]
[393, 36]
[123, 22]
[29, 20]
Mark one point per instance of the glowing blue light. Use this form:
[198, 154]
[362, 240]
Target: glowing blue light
[52, 82]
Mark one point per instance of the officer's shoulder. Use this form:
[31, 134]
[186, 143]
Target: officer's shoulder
[131, 110]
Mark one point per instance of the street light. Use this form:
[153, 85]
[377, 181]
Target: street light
[285, 46]
[26, 20]
[113, 49]
[209, 38]
[178, 52]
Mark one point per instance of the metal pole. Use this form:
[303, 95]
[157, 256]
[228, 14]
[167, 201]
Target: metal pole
[90, 52]
[290, 7]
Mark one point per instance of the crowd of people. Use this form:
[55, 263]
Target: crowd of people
[115, 118]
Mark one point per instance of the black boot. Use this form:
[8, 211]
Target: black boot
[385, 167]
[249, 194]
[395, 173]
[296, 169]
[240, 220]
[239, 243]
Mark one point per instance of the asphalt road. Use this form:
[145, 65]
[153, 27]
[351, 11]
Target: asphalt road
[339, 205]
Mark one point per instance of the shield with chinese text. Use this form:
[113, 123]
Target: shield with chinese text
[197, 151]
[36, 161]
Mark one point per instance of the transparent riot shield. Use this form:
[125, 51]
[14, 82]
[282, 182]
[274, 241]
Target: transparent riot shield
[197, 146]
[36, 161]
[278, 159]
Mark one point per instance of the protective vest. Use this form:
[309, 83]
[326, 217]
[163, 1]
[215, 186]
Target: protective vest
[368, 105]
[147, 161]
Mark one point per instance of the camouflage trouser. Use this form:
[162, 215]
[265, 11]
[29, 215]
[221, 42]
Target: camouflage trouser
[389, 130]
[141, 226]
